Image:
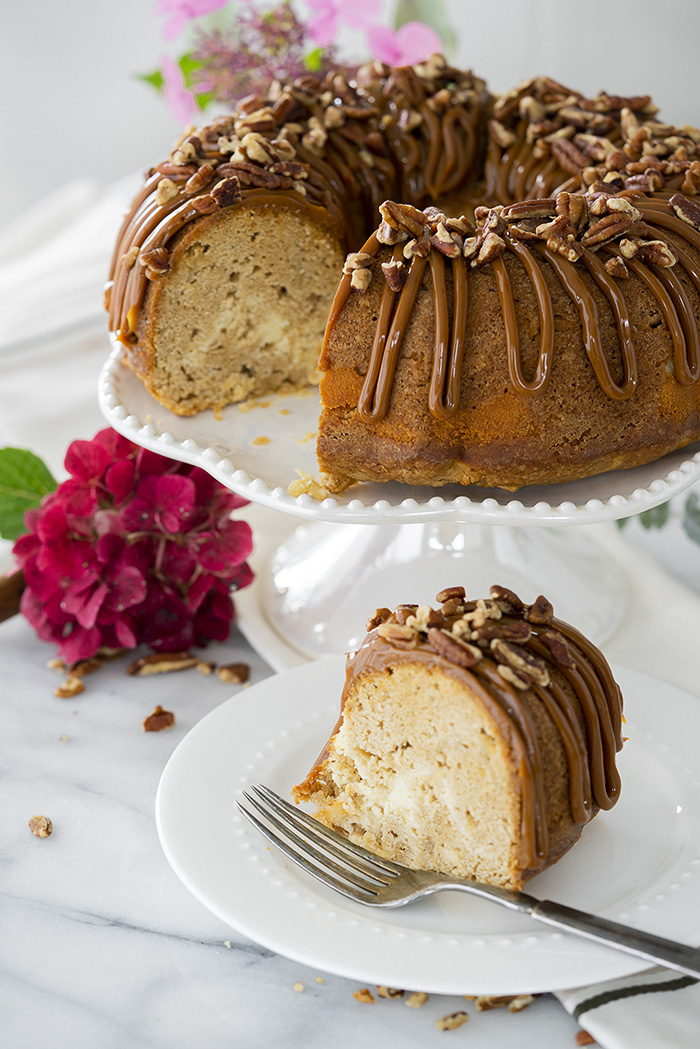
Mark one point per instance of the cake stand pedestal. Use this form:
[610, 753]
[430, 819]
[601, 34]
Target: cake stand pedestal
[324, 580]
[380, 544]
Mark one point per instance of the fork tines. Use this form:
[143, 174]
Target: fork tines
[345, 867]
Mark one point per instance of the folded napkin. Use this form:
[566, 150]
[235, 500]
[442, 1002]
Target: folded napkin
[54, 261]
[657, 1009]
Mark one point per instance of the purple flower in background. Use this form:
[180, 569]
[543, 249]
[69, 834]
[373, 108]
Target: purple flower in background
[412, 43]
[179, 100]
[357, 14]
[180, 12]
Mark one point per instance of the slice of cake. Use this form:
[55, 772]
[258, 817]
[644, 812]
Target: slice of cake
[476, 738]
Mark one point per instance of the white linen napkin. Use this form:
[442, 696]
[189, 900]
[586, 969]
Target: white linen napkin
[657, 1009]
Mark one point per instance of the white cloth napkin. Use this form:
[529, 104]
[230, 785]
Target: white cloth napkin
[53, 264]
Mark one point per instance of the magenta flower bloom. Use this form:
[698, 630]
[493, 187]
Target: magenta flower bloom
[356, 14]
[406, 46]
[132, 548]
[180, 12]
[179, 100]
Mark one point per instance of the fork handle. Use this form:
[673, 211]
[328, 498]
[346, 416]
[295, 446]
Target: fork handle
[645, 945]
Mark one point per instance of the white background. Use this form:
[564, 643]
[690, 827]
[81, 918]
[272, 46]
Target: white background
[71, 105]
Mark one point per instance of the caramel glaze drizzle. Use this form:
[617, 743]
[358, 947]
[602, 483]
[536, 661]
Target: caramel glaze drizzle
[426, 163]
[594, 782]
[450, 349]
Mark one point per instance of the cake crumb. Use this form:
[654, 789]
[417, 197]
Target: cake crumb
[227, 945]
[41, 826]
[308, 485]
[309, 437]
[247, 406]
[452, 1021]
[298, 986]
[63, 739]
[260, 440]
[416, 1000]
[364, 995]
[319, 979]
[158, 720]
[284, 411]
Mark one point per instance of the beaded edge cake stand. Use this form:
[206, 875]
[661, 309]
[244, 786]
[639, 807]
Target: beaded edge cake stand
[326, 577]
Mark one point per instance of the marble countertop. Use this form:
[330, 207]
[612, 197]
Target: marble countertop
[100, 944]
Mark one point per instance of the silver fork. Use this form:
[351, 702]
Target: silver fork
[372, 880]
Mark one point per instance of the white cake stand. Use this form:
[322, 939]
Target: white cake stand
[318, 583]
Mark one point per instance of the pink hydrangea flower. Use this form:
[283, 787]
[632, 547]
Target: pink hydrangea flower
[180, 12]
[356, 14]
[132, 548]
[178, 99]
[412, 43]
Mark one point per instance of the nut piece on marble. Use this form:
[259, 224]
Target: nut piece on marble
[233, 673]
[158, 720]
[364, 995]
[40, 826]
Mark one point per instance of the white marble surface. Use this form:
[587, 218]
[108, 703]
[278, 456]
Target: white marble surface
[100, 945]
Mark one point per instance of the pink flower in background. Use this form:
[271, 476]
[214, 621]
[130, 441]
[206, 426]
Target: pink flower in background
[179, 100]
[180, 12]
[356, 14]
[412, 43]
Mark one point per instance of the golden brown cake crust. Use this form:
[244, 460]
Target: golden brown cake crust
[477, 738]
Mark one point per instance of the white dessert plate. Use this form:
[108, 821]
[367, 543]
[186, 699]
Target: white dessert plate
[256, 449]
[638, 863]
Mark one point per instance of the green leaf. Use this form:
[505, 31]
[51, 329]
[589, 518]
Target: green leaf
[155, 79]
[24, 481]
[656, 517]
[691, 517]
[312, 61]
[433, 13]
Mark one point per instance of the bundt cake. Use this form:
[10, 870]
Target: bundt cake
[476, 739]
[526, 312]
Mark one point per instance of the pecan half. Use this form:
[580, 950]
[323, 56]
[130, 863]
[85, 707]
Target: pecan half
[521, 660]
[686, 209]
[607, 228]
[557, 645]
[507, 600]
[161, 663]
[399, 635]
[657, 253]
[453, 648]
[403, 216]
[380, 616]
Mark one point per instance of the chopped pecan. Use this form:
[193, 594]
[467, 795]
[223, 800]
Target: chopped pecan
[364, 995]
[452, 1021]
[158, 720]
[290, 169]
[657, 253]
[161, 663]
[568, 248]
[205, 204]
[616, 267]
[403, 216]
[491, 248]
[569, 158]
[201, 178]
[41, 826]
[387, 234]
[360, 279]
[557, 645]
[453, 648]
[176, 171]
[226, 192]
[233, 673]
[395, 274]
[398, 634]
[607, 228]
[686, 209]
[389, 992]
[252, 175]
[513, 676]
[166, 190]
[500, 134]
[450, 591]
[155, 262]
[403, 612]
[357, 260]
[521, 660]
[416, 999]
[540, 611]
[380, 616]
[514, 630]
[507, 601]
[574, 207]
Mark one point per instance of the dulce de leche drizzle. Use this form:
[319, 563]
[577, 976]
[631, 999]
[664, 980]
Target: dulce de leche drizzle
[581, 698]
[451, 348]
[349, 136]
